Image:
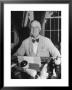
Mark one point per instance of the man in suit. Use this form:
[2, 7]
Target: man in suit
[37, 45]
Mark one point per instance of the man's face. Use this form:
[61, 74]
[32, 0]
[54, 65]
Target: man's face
[35, 29]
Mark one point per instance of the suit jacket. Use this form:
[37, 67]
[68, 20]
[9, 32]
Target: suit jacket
[45, 48]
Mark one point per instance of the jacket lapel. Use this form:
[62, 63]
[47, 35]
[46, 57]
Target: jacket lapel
[39, 45]
[31, 48]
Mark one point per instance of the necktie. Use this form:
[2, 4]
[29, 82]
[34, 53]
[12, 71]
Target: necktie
[35, 40]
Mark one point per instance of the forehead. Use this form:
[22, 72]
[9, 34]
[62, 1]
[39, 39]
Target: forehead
[35, 24]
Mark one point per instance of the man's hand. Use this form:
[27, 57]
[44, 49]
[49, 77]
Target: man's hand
[58, 61]
[43, 74]
[31, 72]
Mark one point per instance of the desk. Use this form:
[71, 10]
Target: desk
[34, 64]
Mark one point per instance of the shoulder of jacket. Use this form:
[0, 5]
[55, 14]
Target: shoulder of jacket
[45, 38]
[26, 40]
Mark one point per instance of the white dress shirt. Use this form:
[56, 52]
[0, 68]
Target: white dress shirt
[35, 46]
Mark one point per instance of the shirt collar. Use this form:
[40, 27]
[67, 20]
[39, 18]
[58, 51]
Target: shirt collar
[36, 37]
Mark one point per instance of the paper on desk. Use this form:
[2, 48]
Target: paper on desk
[35, 60]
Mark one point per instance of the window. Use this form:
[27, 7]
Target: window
[52, 28]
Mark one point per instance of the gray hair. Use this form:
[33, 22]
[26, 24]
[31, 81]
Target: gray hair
[37, 23]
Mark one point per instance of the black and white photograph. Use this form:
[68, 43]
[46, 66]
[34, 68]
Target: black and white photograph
[36, 44]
